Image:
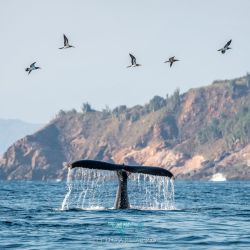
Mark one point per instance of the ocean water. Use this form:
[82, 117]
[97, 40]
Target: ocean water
[207, 215]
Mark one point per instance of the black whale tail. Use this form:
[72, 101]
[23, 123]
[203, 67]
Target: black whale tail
[122, 201]
[90, 164]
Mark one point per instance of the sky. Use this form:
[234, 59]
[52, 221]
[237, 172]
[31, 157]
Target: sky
[104, 33]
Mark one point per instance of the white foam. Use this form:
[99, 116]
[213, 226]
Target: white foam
[91, 189]
[218, 177]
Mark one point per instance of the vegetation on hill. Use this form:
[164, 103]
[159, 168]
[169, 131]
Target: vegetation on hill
[192, 134]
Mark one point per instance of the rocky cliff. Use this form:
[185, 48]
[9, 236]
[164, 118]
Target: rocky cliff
[12, 130]
[194, 135]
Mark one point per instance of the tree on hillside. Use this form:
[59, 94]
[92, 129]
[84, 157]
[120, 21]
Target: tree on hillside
[118, 111]
[173, 102]
[86, 107]
[237, 90]
[106, 112]
[156, 103]
[61, 113]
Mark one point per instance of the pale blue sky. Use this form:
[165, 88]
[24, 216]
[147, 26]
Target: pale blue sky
[104, 32]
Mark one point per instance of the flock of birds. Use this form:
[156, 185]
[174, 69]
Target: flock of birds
[171, 60]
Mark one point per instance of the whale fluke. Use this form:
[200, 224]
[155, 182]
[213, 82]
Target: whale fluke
[91, 164]
[122, 201]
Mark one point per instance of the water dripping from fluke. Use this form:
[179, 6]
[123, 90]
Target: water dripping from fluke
[92, 185]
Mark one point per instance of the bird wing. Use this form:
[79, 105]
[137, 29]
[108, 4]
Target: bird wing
[171, 63]
[133, 59]
[228, 43]
[32, 64]
[66, 41]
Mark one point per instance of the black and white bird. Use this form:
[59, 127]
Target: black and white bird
[226, 47]
[171, 60]
[32, 67]
[66, 43]
[133, 62]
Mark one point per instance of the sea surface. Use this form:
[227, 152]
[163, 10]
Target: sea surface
[207, 215]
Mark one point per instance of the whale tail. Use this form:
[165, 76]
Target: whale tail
[123, 172]
[91, 164]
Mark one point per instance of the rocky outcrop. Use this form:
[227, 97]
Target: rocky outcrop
[195, 135]
[12, 130]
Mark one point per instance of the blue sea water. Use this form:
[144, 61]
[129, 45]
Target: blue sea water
[208, 215]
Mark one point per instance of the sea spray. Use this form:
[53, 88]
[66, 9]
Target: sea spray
[65, 202]
[151, 192]
[96, 189]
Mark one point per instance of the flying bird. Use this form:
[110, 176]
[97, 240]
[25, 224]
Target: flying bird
[226, 47]
[133, 62]
[171, 60]
[32, 67]
[66, 43]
